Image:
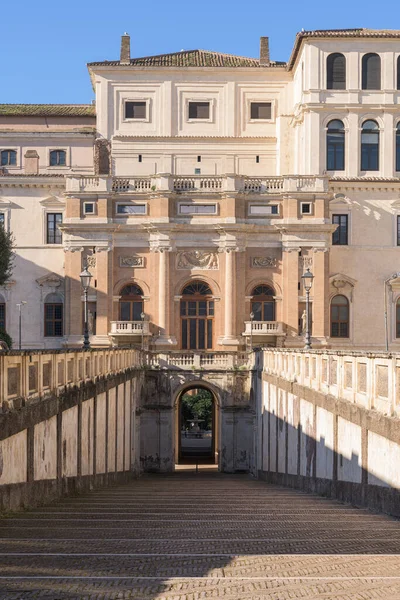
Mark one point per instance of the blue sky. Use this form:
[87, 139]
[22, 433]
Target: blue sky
[49, 43]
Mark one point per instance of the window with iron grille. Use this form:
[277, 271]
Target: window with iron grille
[336, 72]
[58, 158]
[53, 233]
[135, 110]
[53, 319]
[340, 237]
[340, 317]
[8, 158]
[261, 110]
[199, 110]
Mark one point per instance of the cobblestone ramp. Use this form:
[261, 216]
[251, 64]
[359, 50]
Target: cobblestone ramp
[189, 536]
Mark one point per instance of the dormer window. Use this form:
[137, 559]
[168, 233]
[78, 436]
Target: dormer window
[58, 158]
[8, 158]
[136, 109]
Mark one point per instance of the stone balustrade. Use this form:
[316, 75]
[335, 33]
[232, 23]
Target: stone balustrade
[264, 328]
[129, 327]
[197, 184]
[367, 379]
[199, 360]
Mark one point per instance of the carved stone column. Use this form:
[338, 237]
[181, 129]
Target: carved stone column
[290, 292]
[229, 338]
[165, 306]
[320, 293]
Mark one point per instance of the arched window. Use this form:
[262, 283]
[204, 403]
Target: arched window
[371, 72]
[398, 318]
[398, 147]
[53, 316]
[340, 317]
[2, 313]
[58, 158]
[370, 146]
[335, 146]
[398, 73]
[336, 72]
[8, 158]
[197, 315]
[131, 303]
[263, 303]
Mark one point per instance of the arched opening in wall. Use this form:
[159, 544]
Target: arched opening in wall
[197, 316]
[196, 426]
[131, 303]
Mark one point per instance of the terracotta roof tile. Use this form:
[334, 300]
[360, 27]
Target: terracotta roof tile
[191, 58]
[47, 110]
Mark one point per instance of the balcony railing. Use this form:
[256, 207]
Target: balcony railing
[206, 184]
[129, 328]
[199, 360]
[264, 328]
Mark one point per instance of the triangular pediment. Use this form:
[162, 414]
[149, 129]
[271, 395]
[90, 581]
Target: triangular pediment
[50, 280]
[52, 202]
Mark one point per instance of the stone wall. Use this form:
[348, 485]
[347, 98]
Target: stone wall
[327, 424]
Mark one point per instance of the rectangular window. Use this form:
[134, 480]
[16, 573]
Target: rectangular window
[53, 233]
[53, 320]
[2, 316]
[199, 110]
[305, 208]
[257, 159]
[197, 171]
[261, 110]
[199, 159]
[340, 236]
[131, 209]
[271, 209]
[398, 230]
[88, 208]
[197, 209]
[135, 110]
[140, 158]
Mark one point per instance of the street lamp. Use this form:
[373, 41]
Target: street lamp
[142, 316]
[307, 278]
[20, 305]
[251, 330]
[85, 276]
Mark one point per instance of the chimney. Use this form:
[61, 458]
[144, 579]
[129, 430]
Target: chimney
[125, 58]
[31, 162]
[264, 51]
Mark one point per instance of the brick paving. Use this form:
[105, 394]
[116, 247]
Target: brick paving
[191, 536]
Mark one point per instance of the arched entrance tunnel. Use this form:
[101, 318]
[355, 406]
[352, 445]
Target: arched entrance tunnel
[196, 426]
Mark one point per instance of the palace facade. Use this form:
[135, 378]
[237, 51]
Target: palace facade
[198, 188]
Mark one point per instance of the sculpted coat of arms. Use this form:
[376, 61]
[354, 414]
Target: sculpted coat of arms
[197, 259]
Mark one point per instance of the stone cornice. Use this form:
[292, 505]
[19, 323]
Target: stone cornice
[23, 180]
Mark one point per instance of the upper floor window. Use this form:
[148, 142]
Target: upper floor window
[131, 303]
[336, 72]
[371, 72]
[2, 313]
[8, 158]
[53, 316]
[58, 158]
[340, 237]
[398, 318]
[261, 110]
[197, 209]
[398, 147]
[263, 303]
[398, 73]
[335, 146]
[53, 233]
[199, 110]
[340, 317]
[370, 146]
[398, 230]
[136, 110]
[131, 209]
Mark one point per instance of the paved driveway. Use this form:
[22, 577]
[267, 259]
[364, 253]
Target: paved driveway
[188, 536]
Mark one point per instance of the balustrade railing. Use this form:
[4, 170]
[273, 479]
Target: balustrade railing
[264, 327]
[131, 184]
[129, 327]
[205, 184]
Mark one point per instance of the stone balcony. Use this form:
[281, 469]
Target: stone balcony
[126, 332]
[264, 328]
[207, 184]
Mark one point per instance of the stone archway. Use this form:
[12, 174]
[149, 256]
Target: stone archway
[197, 437]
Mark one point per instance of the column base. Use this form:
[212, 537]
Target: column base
[165, 340]
[229, 341]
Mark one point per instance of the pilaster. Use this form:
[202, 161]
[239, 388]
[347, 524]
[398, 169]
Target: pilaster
[290, 292]
[320, 293]
[164, 302]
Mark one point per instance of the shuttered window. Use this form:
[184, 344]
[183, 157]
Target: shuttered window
[371, 72]
[370, 146]
[336, 72]
[335, 146]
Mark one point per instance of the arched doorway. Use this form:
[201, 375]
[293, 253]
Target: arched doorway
[196, 426]
[131, 303]
[197, 316]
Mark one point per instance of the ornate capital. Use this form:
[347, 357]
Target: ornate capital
[291, 249]
[73, 248]
[315, 250]
[103, 249]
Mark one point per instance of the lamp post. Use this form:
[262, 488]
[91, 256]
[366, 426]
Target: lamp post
[142, 316]
[307, 278]
[20, 305]
[85, 276]
[251, 330]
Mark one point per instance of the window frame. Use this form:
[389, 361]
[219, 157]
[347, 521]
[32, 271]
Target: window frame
[340, 215]
[146, 119]
[46, 230]
[54, 321]
[339, 321]
[209, 101]
[84, 208]
[332, 88]
[307, 214]
[10, 166]
[127, 215]
[196, 214]
[263, 214]
[65, 150]
[377, 132]
[329, 143]
[364, 75]
[260, 120]
[397, 147]
[249, 100]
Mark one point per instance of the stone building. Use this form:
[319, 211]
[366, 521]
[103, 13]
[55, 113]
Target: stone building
[199, 186]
